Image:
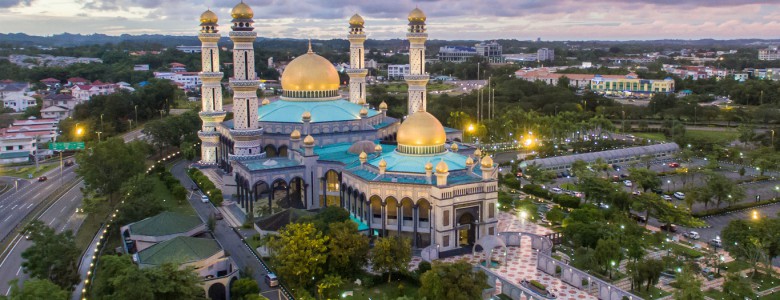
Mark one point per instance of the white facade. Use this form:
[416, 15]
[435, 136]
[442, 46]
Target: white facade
[16, 95]
[85, 92]
[768, 54]
[397, 71]
[545, 54]
[211, 94]
[17, 142]
[188, 49]
[188, 80]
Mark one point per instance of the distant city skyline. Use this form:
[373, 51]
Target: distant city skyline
[447, 19]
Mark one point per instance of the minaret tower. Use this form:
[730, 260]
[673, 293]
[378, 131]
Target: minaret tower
[245, 132]
[357, 65]
[211, 110]
[417, 78]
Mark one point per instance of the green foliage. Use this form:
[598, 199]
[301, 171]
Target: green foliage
[452, 281]
[118, 278]
[555, 215]
[244, 287]
[106, 165]
[608, 255]
[52, 256]
[174, 130]
[327, 284]
[139, 201]
[645, 178]
[205, 185]
[326, 217]
[536, 190]
[645, 272]
[36, 289]
[538, 285]
[738, 287]
[567, 201]
[347, 249]
[689, 286]
[754, 241]
[391, 254]
[299, 253]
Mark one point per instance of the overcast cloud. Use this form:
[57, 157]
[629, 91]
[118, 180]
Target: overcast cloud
[447, 19]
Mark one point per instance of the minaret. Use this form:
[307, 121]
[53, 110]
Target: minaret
[357, 63]
[211, 112]
[245, 132]
[417, 78]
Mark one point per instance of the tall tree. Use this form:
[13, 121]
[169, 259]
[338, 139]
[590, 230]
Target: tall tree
[608, 255]
[171, 282]
[452, 281]
[723, 188]
[738, 287]
[36, 289]
[645, 178]
[106, 165]
[391, 254]
[300, 253]
[347, 249]
[52, 256]
[689, 286]
[243, 288]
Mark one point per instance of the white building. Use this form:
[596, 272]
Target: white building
[141, 67]
[187, 80]
[545, 54]
[85, 92]
[16, 95]
[768, 54]
[17, 142]
[397, 71]
[188, 49]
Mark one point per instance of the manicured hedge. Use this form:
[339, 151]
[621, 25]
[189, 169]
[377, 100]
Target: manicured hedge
[205, 185]
[563, 200]
[735, 207]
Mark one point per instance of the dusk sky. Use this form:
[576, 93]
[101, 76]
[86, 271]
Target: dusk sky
[447, 19]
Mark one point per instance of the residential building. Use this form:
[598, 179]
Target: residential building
[51, 82]
[185, 80]
[188, 49]
[768, 54]
[545, 54]
[56, 112]
[549, 76]
[398, 71]
[141, 67]
[371, 64]
[17, 142]
[77, 81]
[741, 76]
[16, 95]
[177, 67]
[631, 85]
[85, 92]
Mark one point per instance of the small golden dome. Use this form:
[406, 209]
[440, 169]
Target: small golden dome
[421, 129]
[266, 101]
[310, 72]
[356, 20]
[383, 106]
[306, 116]
[428, 166]
[478, 153]
[242, 11]
[382, 163]
[417, 15]
[454, 147]
[363, 112]
[487, 162]
[442, 167]
[309, 140]
[295, 134]
[469, 162]
[208, 17]
[378, 148]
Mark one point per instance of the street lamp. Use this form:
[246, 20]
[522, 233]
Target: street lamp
[101, 122]
[136, 114]
[755, 215]
[98, 133]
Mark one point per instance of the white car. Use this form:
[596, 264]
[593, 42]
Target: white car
[679, 195]
[628, 183]
[666, 197]
[692, 235]
[204, 199]
[556, 190]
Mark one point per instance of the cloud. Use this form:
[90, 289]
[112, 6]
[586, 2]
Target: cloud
[12, 3]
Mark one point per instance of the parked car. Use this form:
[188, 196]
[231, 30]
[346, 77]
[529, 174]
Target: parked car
[658, 191]
[679, 195]
[669, 228]
[42, 178]
[271, 280]
[636, 193]
[628, 183]
[667, 197]
[615, 178]
[624, 175]
[68, 163]
[218, 216]
[692, 235]
[674, 165]
[204, 198]
[716, 242]
[556, 190]
[638, 218]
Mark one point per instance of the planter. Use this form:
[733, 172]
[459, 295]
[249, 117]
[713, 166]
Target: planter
[537, 288]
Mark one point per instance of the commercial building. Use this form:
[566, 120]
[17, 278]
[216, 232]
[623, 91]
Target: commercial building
[624, 156]
[631, 85]
[768, 54]
[185, 80]
[397, 71]
[188, 49]
[545, 54]
[492, 51]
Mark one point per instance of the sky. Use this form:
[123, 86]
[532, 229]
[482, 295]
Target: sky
[386, 19]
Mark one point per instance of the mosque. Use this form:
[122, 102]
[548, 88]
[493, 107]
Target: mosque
[313, 148]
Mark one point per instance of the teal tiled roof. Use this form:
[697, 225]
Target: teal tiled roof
[269, 163]
[321, 111]
[165, 223]
[179, 250]
[397, 162]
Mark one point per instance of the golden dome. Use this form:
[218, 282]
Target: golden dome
[309, 140]
[428, 166]
[242, 11]
[469, 162]
[383, 106]
[208, 17]
[421, 129]
[382, 163]
[442, 167]
[306, 116]
[417, 15]
[310, 72]
[266, 101]
[454, 147]
[363, 112]
[487, 162]
[295, 134]
[378, 148]
[478, 153]
[356, 20]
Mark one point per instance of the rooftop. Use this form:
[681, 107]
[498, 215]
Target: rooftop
[321, 111]
[166, 223]
[269, 163]
[179, 250]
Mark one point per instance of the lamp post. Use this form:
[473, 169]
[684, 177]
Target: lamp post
[101, 122]
[98, 133]
[136, 114]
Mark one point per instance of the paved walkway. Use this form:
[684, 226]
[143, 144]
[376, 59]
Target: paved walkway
[521, 261]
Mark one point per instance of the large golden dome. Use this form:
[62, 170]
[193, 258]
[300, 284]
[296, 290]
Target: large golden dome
[356, 20]
[242, 11]
[208, 17]
[308, 73]
[417, 15]
[423, 131]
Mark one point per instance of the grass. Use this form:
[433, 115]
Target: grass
[736, 266]
[775, 296]
[381, 291]
[23, 171]
[764, 282]
[714, 136]
[650, 135]
[715, 294]
[685, 251]
[653, 293]
[161, 192]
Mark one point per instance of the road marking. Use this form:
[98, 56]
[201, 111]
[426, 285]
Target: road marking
[63, 209]
[28, 206]
[6, 218]
[36, 195]
[8, 291]
[52, 221]
[18, 239]
[17, 272]
[12, 208]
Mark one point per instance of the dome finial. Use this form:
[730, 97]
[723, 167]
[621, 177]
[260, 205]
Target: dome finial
[310, 51]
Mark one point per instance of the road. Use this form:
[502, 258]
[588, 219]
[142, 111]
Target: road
[227, 237]
[61, 216]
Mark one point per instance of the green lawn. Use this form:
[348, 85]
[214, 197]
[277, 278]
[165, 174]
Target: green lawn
[381, 291]
[657, 136]
[715, 294]
[715, 136]
[736, 266]
[775, 296]
[685, 251]
[23, 171]
[764, 282]
[653, 293]
[162, 193]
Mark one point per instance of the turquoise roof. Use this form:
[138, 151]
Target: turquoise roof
[339, 153]
[397, 162]
[321, 111]
[269, 163]
[450, 130]
[7, 155]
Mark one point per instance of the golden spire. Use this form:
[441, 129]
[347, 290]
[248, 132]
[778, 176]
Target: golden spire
[310, 51]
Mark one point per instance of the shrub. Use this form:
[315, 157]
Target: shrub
[567, 201]
[179, 193]
[536, 190]
[423, 267]
[538, 285]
